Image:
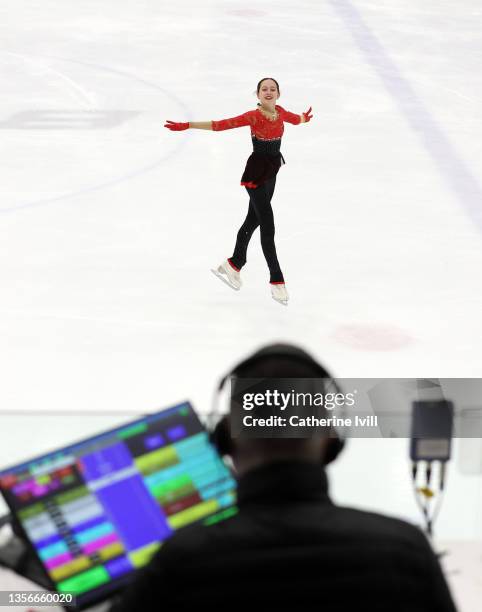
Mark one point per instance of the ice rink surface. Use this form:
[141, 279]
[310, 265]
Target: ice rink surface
[109, 223]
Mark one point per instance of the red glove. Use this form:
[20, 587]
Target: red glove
[176, 127]
[307, 115]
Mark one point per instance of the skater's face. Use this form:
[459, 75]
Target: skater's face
[268, 92]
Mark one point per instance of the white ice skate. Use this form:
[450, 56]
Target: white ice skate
[228, 275]
[279, 293]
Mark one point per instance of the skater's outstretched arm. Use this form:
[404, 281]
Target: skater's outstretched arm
[224, 124]
[295, 119]
[199, 125]
[248, 118]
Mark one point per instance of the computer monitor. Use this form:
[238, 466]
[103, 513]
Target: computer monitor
[97, 510]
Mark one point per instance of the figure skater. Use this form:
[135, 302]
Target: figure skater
[259, 179]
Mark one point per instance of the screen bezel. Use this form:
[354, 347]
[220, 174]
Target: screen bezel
[103, 592]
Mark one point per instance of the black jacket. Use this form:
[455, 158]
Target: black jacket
[290, 546]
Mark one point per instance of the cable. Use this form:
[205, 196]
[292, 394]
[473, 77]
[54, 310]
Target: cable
[424, 495]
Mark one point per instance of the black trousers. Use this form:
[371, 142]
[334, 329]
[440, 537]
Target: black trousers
[259, 214]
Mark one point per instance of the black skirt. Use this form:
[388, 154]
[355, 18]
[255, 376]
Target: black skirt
[263, 163]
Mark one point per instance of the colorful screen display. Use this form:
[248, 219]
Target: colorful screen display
[98, 510]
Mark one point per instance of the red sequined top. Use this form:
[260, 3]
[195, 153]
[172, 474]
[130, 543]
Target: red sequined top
[261, 127]
[265, 161]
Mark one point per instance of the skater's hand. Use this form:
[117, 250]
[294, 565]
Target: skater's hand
[176, 127]
[307, 115]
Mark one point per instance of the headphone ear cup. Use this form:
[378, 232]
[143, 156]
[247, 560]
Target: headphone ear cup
[220, 437]
[333, 449]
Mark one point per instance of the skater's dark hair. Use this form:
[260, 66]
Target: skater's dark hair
[266, 79]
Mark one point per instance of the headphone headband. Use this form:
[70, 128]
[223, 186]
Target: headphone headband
[290, 351]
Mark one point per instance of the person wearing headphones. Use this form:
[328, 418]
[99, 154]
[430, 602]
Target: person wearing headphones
[289, 545]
